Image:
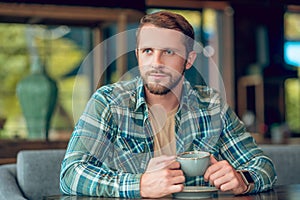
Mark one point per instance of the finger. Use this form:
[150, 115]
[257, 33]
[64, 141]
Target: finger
[174, 165]
[211, 170]
[222, 175]
[225, 172]
[175, 173]
[219, 181]
[232, 182]
[212, 159]
[163, 159]
[229, 185]
[177, 179]
[159, 163]
[175, 188]
[214, 167]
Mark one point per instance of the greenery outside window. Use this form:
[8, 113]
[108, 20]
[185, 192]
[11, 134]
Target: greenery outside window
[61, 49]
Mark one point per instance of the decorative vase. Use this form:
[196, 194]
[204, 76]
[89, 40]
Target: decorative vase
[37, 94]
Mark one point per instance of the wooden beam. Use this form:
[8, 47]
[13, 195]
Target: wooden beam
[294, 8]
[72, 13]
[192, 4]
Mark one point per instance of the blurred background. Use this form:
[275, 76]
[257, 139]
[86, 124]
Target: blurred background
[254, 43]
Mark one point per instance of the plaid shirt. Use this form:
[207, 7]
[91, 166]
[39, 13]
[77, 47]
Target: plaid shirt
[112, 142]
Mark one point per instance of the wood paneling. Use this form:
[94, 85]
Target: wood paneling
[62, 14]
[10, 148]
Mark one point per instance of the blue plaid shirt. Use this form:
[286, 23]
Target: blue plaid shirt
[112, 142]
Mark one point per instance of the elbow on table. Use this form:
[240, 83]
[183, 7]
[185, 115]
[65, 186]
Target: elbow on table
[65, 183]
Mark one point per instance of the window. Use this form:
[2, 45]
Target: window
[292, 38]
[62, 37]
[60, 49]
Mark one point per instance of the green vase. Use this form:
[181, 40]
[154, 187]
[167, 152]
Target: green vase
[37, 94]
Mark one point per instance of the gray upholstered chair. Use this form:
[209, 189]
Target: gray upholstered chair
[286, 159]
[36, 174]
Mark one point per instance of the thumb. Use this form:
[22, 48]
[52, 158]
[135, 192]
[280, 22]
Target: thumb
[160, 163]
[212, 159]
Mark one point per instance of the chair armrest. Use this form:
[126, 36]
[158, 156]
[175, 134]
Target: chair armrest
[9, 188]
[38, 172]
[286, 159]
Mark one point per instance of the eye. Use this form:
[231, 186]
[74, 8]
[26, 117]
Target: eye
[147, 51]
[169, 52]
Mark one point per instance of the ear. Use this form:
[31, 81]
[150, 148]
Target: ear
[136, 53]
[190, 59]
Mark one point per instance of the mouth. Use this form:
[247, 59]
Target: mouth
[157, 77]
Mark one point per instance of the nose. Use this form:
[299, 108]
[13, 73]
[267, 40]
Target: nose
[157, 60]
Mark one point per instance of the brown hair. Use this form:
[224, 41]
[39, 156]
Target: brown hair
[170, 20]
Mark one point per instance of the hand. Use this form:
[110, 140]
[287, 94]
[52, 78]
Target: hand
[224, 177]
[162, 177]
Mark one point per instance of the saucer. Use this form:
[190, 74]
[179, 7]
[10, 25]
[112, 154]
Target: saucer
[196, 192]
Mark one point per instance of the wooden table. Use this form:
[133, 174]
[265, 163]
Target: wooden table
[286, 192]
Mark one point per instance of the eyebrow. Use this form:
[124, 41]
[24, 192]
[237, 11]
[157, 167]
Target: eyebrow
[162, 49]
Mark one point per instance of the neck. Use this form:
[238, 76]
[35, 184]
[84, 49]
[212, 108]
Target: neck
[168, 101]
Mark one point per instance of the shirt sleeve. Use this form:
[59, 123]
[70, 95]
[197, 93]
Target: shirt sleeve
[87, 168]
[238, 147]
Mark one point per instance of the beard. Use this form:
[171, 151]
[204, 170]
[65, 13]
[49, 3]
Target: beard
[158, 87]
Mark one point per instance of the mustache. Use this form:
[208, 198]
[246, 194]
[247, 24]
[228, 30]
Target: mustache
[164, 70]
[158, 71]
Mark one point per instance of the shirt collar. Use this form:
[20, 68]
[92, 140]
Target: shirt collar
[140, 94]
[188, 97]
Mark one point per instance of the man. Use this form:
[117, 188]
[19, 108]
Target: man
[126, 141]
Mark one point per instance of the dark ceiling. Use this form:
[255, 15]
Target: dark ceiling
[141, 4]
[133, 4]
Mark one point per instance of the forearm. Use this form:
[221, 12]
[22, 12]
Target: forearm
[257, 163]
[83, 178]
[263, 173]
[253, 160]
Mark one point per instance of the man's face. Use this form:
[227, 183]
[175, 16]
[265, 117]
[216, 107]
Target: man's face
[162, 58]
